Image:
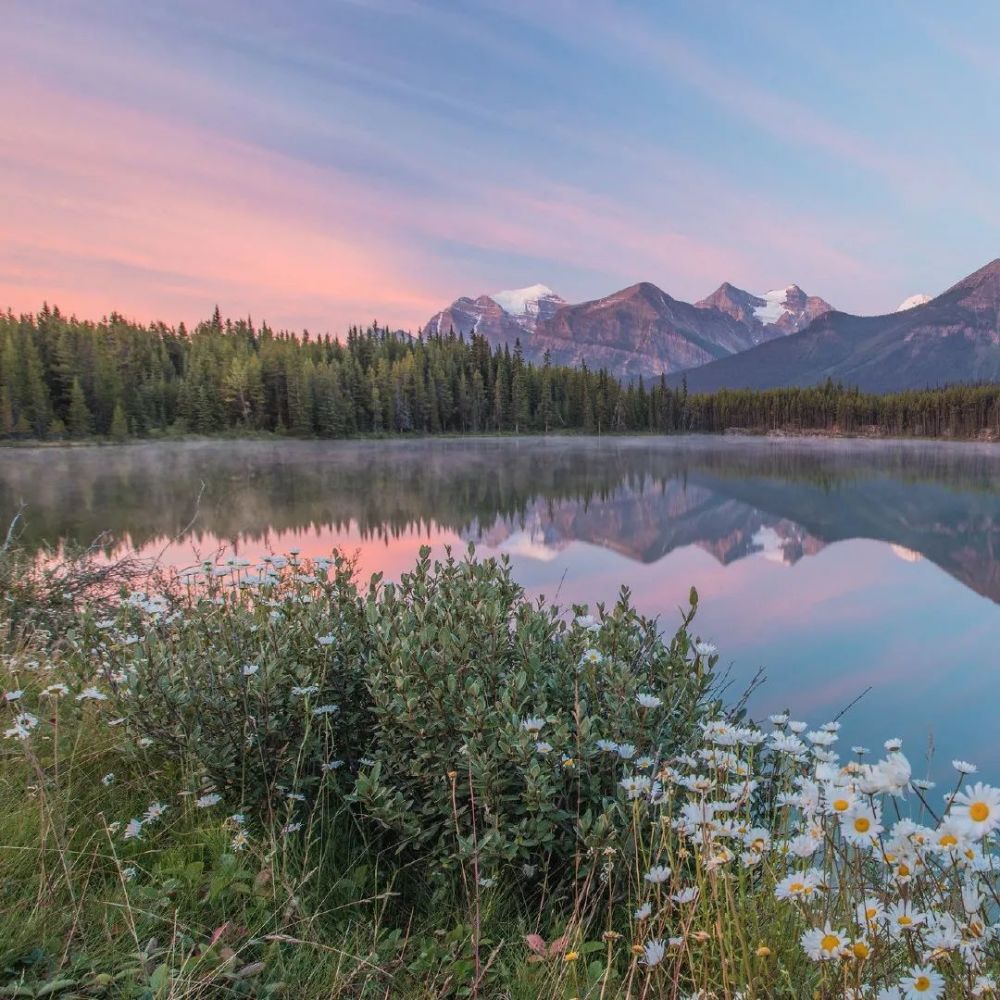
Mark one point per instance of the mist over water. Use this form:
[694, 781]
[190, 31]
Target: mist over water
[835, 565]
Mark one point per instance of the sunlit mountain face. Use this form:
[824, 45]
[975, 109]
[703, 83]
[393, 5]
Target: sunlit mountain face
[836, 566]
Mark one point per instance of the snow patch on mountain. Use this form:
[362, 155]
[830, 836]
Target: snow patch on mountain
[775, 306]
[912, 302]
[523, 301]
[770, 545]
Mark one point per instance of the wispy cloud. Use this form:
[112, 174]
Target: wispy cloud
[381, 158]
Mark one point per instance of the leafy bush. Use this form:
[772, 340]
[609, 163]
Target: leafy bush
[260, 681]
[458, 718]
[488, 711]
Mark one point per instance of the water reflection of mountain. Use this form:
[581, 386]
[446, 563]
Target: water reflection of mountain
[642, 498]
[647, 526]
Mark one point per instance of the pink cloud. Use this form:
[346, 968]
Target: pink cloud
[111, 208]
[106, 207]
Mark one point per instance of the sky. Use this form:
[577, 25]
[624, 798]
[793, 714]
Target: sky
[318, 163]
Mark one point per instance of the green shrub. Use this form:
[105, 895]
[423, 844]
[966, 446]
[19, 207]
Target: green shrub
[262, 687]
[435, 682]
[460, 662]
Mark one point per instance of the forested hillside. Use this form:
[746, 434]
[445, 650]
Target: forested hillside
[63, 377]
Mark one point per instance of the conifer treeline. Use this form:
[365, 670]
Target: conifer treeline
[63, 377]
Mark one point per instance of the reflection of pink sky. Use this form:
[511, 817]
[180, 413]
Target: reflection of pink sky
[825, 628]
[389, 555]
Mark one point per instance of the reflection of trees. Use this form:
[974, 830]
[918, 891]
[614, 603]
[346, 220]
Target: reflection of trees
[642, 497]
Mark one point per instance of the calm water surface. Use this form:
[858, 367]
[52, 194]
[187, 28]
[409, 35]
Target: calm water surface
[833, 565]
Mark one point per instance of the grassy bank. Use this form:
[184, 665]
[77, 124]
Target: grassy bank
[280, 781]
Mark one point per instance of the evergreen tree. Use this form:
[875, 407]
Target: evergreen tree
[6, 412]
[79, 422]
[119, 423]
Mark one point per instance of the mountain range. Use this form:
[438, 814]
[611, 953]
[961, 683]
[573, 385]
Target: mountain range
[739, 339]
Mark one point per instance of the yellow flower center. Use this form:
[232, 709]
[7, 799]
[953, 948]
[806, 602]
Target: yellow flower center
[862, 824]
[796, 887]
[948, 840]
[904, 920]
[871, 913]
[903, 870]
[860, 949]
[830, 942]
[921, 984]
[978, 812]
[841, 805]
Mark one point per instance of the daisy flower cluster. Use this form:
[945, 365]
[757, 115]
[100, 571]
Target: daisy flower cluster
[892, 896]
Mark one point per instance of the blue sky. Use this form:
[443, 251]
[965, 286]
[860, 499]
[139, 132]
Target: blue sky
[323, 163]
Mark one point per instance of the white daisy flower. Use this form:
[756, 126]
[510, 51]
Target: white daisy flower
[635, 786]
[798, 885]
[824, 943]
[24, 723]
[861, 825]
[91, 694]
[657, 874]
[922, 981]
[653, 952]
[870, 912]
[902, 917]
[979, 807]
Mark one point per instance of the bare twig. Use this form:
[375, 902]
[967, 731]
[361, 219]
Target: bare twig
[10, 529]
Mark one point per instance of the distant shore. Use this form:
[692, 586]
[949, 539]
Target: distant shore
[780, 434]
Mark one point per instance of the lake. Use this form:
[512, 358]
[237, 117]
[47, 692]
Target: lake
[834, 565]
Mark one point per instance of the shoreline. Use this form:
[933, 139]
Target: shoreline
[729, 435]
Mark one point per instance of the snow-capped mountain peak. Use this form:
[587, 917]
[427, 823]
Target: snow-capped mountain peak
[912, 302]
[775, 305]
[525, 301]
